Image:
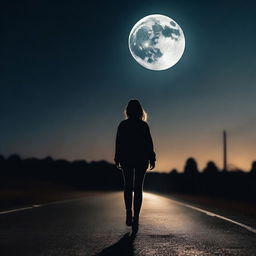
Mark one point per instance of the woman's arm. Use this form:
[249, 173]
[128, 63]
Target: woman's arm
[152, 154]
[117, 148]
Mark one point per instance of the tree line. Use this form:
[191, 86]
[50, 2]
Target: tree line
[81, 174]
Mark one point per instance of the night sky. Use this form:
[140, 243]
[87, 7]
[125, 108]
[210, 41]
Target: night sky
[67, 74]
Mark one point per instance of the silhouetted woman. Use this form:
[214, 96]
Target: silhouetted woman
[134, 152]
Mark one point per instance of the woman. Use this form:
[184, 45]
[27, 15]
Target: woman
[134, 151]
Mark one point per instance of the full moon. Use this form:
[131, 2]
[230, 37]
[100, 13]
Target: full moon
[156, 42]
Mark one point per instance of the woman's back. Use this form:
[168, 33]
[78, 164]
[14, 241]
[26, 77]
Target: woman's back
[134, 142]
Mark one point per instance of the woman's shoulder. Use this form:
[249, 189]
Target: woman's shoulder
[143, 123]
[122, 123]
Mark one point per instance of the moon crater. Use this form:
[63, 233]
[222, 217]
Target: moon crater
[156, 42]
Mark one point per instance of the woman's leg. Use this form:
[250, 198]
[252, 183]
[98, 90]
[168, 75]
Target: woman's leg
[140, 171]
[128, 174]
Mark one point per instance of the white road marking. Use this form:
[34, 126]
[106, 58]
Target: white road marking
[39, 205]
[218, 216]
[20, 209]
[215, 215]
[251, 229]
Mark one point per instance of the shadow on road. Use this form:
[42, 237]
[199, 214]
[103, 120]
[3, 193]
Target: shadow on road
[123, 247]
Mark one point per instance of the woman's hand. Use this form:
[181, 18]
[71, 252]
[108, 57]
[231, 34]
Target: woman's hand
[152, 165]
[118, 165]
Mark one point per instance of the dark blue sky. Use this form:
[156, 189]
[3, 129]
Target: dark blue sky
[67, 74]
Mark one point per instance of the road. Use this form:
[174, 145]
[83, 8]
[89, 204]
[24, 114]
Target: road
[94, 225]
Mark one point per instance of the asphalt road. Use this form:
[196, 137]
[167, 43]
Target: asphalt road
[95, 225]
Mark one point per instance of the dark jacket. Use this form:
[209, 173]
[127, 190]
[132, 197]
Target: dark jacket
[133, 142]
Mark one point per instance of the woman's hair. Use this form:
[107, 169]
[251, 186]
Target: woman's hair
[135, 110]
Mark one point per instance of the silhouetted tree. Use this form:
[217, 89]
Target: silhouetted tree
[48, 159]
[191, 167]
[14, 158]
[211, 168]
[174, 171]
[2, 162]
[253, 169]
[14, 164]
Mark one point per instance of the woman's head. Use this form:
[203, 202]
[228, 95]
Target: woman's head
[135, 110]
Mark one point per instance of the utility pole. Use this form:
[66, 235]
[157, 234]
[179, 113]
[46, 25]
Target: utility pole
[224, 151]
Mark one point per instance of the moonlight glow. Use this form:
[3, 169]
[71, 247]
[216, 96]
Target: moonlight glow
[156, 42]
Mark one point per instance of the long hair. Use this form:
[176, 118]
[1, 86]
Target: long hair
[135, 110]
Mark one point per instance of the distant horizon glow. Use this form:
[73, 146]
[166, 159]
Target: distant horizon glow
[166, 164]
